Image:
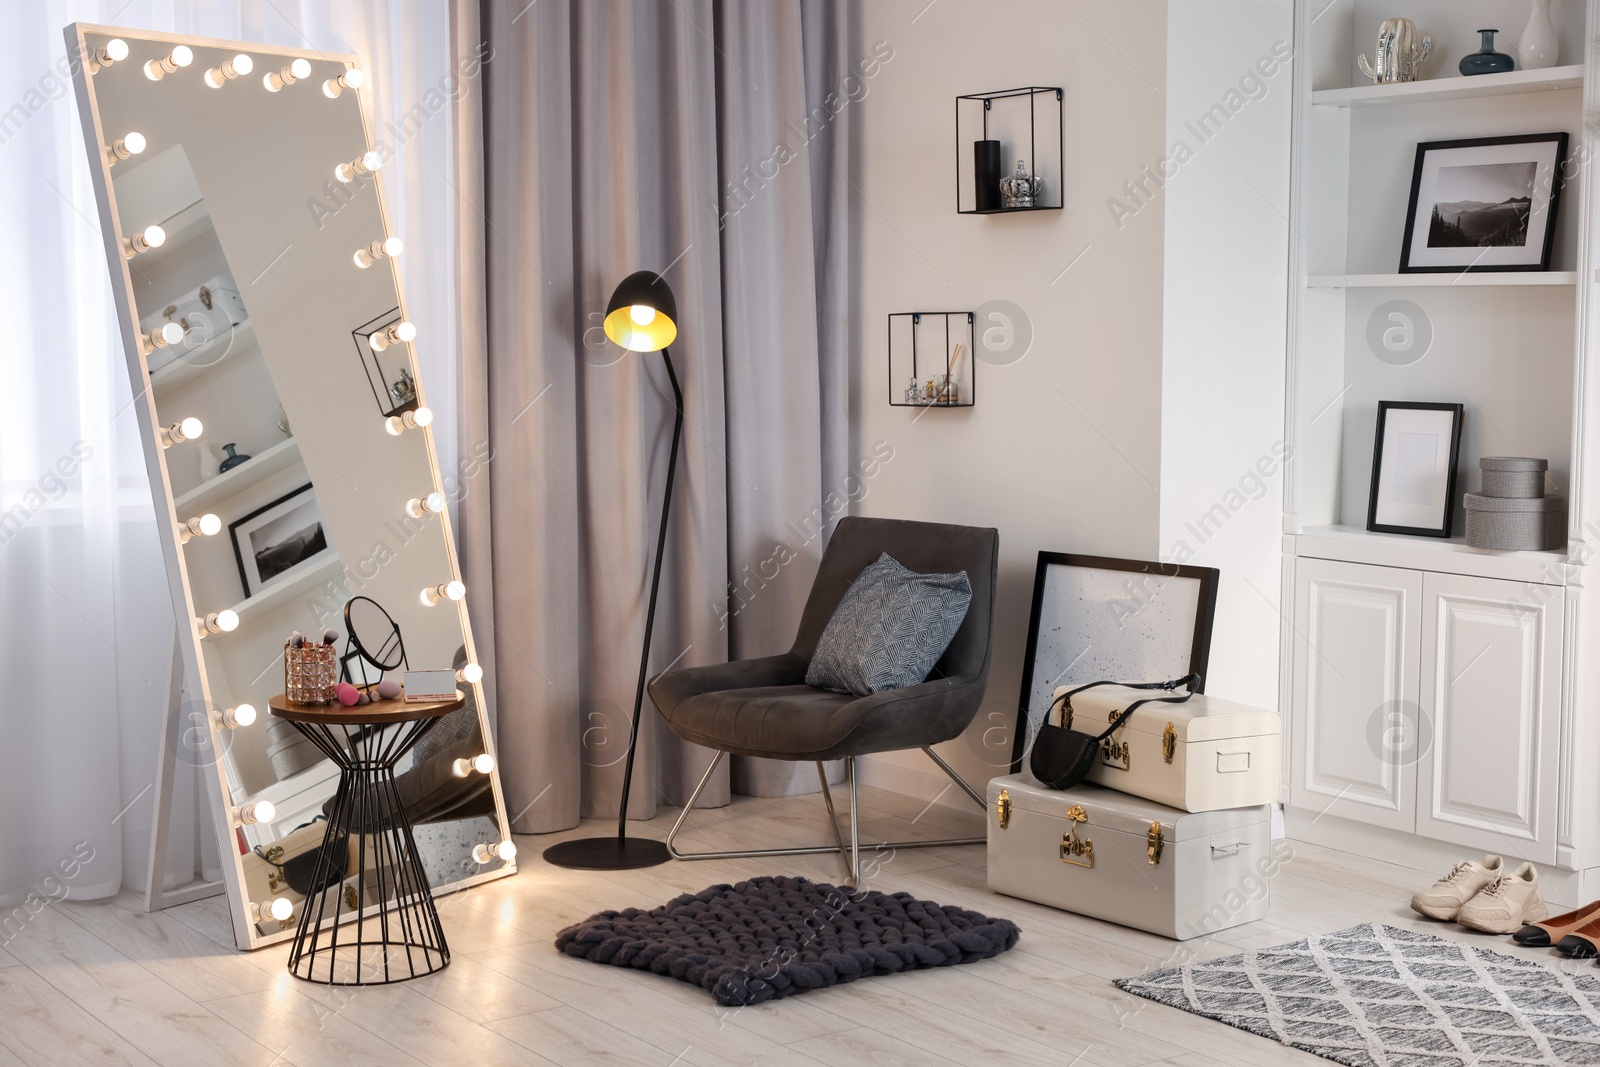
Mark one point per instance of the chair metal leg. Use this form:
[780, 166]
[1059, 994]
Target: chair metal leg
[855, 826]
[833, 816]
[851, 854]
[977, 798]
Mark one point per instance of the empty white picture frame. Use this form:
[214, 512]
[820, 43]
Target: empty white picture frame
[1415, 450]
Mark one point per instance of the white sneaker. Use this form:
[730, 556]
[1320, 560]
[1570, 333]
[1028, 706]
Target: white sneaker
[1506, 904]
[1444, 899]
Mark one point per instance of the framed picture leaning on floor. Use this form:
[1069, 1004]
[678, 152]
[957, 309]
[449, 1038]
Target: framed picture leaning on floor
[1123, 620]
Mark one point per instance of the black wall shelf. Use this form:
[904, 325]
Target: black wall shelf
[922, 349]
[1022, 121]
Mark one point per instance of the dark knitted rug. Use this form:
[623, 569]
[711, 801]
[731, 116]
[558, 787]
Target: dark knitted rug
[776, 937]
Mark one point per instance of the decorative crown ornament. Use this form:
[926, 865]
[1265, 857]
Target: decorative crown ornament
[1020, 190]
[1400, 54]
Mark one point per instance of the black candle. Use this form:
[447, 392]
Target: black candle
[987, 173]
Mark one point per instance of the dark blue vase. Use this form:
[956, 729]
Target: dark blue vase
[1486, 60]
[232, 460]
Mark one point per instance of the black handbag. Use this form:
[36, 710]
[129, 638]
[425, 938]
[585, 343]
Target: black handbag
[300, 871]
[1062, 757]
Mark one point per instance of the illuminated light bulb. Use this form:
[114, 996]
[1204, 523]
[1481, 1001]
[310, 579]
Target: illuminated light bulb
[353, 78]
[280, 909]
[414, 419]
[443, 591]
[471, 674]
[171, 63]
[181, 431]
[131, 145]
[152, 237]
[207, 525]
[642, 315]
[483, 764]
[434, 503]
[277, 79]
[363, 164]
[168, 333]
[218, 622]
[229, 69]
[115, 51]
[486, 853]
[238, 717]
[367, 256]
[250, 814]
[400, 333]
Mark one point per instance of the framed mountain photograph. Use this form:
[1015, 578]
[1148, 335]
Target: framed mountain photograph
[1485, 204]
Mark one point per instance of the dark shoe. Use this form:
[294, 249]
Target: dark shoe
[1551, 930]
[1581, 944]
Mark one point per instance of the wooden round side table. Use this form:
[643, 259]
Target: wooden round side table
[397, 932]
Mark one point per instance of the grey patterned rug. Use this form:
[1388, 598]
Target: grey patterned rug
[1375, 996]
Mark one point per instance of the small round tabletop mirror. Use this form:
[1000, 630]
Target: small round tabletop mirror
[375, 637]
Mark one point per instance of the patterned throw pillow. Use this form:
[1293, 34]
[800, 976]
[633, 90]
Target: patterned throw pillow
[889, 630]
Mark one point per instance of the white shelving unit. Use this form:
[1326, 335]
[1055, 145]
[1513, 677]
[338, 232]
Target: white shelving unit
[1435, 281]
[1433, 692]
[1450, 87]
[279, 457]
[285, 590]
[202, 358]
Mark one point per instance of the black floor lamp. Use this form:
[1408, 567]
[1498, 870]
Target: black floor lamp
[642, 317]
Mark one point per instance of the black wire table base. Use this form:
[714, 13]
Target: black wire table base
[382, 925]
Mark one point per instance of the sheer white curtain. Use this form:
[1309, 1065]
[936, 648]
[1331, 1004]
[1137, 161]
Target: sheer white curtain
[85, 623]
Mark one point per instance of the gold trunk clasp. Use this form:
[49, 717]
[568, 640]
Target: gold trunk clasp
[1002, 808]
[1114, 753]
[1076, 850]
[1169, 743]
[1153, 843]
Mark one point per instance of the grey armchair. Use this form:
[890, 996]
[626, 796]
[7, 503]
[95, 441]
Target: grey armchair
[762, 707]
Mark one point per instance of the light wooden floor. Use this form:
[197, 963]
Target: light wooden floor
[107, 984]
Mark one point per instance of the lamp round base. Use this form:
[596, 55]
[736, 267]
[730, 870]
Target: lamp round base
[607, 853]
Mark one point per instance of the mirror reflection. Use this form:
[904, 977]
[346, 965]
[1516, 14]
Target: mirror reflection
[294, 434]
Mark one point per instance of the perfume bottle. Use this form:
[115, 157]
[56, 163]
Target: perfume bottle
[928, 396]
[913, 394]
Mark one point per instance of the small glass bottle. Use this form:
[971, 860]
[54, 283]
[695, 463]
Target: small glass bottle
[913, 394]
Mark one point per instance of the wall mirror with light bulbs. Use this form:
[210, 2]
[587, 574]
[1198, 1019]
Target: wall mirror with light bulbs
[287, 438]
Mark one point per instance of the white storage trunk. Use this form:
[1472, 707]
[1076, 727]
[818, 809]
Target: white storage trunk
[209, 309]
[1202, 755]
[1121, 858]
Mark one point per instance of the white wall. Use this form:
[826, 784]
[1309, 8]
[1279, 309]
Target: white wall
[1222, 372]
[1154, 378]
[1062, 450]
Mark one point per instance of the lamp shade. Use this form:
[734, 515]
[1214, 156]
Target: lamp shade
[642, 315]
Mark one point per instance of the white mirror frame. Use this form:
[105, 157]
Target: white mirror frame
[246, 935]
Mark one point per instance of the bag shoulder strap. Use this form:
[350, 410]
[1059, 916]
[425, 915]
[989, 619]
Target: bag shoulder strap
[1191, 681]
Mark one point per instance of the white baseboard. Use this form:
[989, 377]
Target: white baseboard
[930, 786]
[1430, 858]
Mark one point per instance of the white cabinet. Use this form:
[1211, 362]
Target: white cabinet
[1491, 659]
[1355, 664]
[1428, 703]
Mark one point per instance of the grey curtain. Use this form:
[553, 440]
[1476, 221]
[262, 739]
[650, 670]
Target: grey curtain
[612, 137]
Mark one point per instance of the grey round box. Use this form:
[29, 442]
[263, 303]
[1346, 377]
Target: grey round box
[1513, 476]
[1516, 523]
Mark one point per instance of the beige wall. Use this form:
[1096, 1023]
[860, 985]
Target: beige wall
[1063, 448]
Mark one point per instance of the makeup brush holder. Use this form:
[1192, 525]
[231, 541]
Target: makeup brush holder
[310, 673]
